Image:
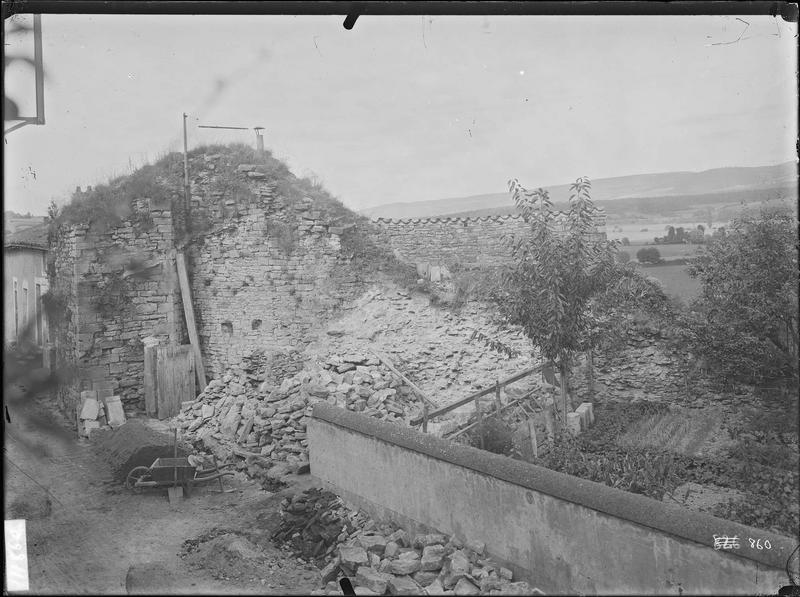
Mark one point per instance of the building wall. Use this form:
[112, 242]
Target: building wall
[447, 241]
[23, 270]
[563, 534]
[114, 288]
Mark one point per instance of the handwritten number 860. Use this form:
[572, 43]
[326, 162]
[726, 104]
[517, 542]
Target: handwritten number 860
[758, 545]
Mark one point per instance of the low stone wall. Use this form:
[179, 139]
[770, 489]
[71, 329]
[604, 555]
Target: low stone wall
[467, 241]
[570, 535]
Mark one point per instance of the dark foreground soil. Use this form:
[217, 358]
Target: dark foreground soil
[87, 534]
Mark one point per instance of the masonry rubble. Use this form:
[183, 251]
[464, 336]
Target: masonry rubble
[265, 424]
[99, 412]
[381, 558]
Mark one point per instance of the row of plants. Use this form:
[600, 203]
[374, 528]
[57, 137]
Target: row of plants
[770, 492]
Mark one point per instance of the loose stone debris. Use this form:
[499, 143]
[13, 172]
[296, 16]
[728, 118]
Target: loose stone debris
[382, 559]
[263, 426]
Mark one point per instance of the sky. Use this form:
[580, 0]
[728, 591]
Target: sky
[406, 108]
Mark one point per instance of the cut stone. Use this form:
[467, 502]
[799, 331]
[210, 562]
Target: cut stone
[116, 414]
[425, 577]
[331, 571]
[373, 580]
[373, 543]
[464, 587]
[353, 556]
[404, 566]
[456, 566]
[404, 585]
[90, 409]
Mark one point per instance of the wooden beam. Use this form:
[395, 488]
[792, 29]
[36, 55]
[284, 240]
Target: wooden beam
[479, 394]
[471, 425]
[385, 360]
[188, 311]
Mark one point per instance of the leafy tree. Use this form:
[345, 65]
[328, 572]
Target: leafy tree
[648, 255]
[746, 319]
[557, 273]
[626, 241]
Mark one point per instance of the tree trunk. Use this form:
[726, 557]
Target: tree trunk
[566, 407]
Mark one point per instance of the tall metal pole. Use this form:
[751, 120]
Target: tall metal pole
[186, 196]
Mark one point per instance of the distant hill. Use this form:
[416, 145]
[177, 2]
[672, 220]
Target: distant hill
[644, 192]
[666, 205]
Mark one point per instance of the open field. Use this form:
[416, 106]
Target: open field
[668, 252]
[676, 280]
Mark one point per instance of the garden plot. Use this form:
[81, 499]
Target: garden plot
[681, 430]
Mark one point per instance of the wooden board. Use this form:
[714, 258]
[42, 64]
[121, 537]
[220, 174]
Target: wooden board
[191, 326]
[151, 380]
[175, 378]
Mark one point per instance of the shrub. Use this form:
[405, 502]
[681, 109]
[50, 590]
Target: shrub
[648, 255]
[497, 436]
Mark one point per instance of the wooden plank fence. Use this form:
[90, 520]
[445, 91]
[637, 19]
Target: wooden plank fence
[169, 379]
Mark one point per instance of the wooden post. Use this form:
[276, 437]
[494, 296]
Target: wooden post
[188, 312]
[151, 379]
[497, 398]
[534, 442]
[480, 419]
[424, 417]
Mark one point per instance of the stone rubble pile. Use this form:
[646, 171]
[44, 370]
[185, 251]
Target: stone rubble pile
[381, 559]
[434, 347]
[266, 425]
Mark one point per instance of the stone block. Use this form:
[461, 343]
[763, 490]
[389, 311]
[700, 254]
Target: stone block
[425, 577]
[373, 580]
[404, 585]
[456, 566]
[115, 412]
[351, 557]
[403, 566]
[331, 571]
[373, 543]
[432, 557]
[465, 587]
[89, 426]
[90, 408]
[574, 423]
[588, 408]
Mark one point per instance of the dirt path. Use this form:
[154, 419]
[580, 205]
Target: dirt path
[87, 534]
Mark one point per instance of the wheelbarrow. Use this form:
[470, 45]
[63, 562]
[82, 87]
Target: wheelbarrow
[170, 472]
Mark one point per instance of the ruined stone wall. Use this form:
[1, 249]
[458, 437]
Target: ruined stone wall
[115, 287]
[266, 276]
[61, 307]
[475, 241]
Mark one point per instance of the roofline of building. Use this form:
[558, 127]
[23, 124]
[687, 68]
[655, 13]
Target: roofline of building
[24, 245]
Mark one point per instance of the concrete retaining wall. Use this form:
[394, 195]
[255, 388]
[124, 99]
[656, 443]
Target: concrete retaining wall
[561, 533]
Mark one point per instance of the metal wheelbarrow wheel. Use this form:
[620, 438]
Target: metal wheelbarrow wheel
[137, 474]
